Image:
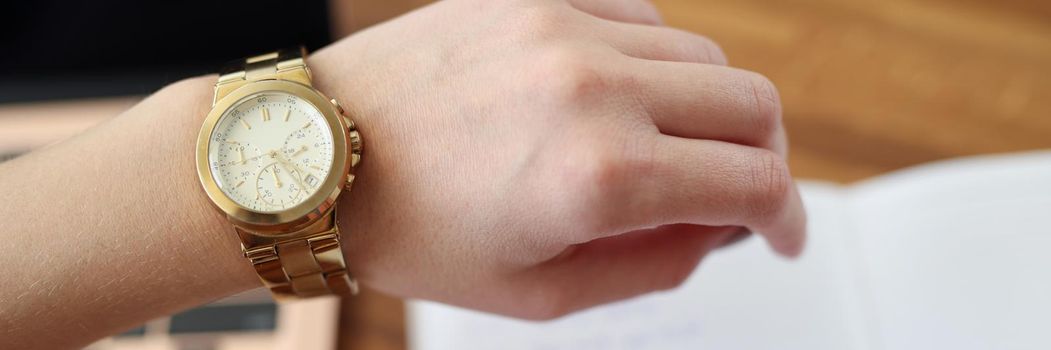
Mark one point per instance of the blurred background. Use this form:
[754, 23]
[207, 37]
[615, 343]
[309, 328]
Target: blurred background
[867, 86]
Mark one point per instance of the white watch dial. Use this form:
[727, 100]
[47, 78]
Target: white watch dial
[270, 151]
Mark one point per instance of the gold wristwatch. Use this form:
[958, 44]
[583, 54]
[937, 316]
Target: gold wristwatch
[274, 154]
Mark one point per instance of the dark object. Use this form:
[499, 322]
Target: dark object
[71, 49]
[226, 318]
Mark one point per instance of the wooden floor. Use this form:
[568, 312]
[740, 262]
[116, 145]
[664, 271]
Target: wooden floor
[868, 87]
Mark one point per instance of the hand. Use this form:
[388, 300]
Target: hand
[536, 157]
[294, 171]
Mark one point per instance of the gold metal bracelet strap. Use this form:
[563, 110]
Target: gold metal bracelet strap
[307, 266]
[289, 64]
[303, 266]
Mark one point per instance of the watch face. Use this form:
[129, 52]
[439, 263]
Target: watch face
[270, 151]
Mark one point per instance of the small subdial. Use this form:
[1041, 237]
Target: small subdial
[308, 150]
[237, 153]
[276, 185]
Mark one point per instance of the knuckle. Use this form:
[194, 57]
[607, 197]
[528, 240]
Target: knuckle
[589, 175]
[536, 22]
[767, 104]
[771, 185]
[594, 176]
[568, 78]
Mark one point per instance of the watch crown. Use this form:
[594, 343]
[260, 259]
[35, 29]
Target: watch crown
[350, 123]
[355, 140]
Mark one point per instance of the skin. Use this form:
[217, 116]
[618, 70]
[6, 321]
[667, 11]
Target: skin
[532, 158]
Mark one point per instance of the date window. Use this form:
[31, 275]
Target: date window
[311, 180]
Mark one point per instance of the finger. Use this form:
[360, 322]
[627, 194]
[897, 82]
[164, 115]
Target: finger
[703, 182]
[623, 266]
[710, 102]
[719, 184]
[630, 11]
[661, 43]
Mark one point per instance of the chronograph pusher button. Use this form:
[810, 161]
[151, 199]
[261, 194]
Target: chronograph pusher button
[342, 113]
[336, 104]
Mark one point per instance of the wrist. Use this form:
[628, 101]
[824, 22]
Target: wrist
[283, 216]
[345, 83]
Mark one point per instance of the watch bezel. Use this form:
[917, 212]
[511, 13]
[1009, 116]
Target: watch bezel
[311, 209]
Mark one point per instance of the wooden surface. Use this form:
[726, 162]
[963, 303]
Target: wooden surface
[868, 87]
[874, 86]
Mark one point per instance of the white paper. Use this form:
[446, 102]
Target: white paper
[958, 254]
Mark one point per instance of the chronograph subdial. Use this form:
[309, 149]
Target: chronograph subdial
[307, 150]
[234, 153]
[276, 185]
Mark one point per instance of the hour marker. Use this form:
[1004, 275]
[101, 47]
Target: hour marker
[307, 125]
[243, 122]
[266, 114]
[232, 142]
[241, 155]
[312, 166]
[239, 184]
[288, 112]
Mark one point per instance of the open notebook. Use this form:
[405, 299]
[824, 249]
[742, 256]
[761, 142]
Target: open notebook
[951, 255]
